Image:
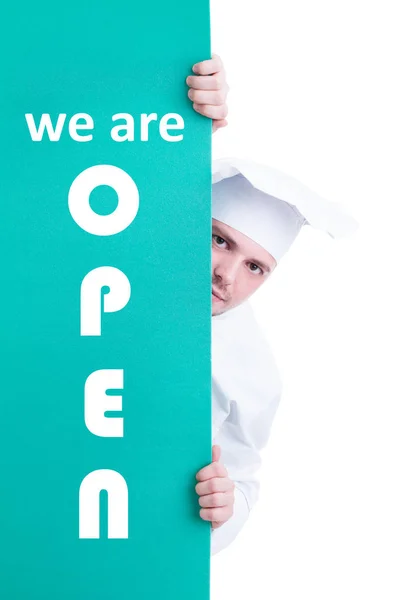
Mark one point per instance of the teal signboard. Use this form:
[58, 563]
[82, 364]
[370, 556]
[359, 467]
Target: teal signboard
[105, 302]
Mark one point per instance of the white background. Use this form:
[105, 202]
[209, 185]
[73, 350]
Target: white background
[314, 94]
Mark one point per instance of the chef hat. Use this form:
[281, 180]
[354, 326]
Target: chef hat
[270, 207]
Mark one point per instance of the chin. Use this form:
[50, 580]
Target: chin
[218, 310]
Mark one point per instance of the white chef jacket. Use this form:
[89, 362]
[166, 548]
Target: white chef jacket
[246, 389]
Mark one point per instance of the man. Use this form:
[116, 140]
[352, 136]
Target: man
[257, 214]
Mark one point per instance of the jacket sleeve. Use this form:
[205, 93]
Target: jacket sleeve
[241, 437]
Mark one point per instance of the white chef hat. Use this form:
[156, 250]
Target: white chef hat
[270, 207]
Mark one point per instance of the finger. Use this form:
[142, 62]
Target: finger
[216, 514]
[215, 485]
[213, 112]
[216, 453]
[219, 124]
[216, 500]
[215, 98]
[215, 469]
[208, 67]
[210, 82]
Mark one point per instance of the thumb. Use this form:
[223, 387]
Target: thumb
[216, 454]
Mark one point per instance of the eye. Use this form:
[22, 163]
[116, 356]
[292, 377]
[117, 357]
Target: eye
[219, 241]
[255, 269]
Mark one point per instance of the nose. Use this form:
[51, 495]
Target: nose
[226, 270]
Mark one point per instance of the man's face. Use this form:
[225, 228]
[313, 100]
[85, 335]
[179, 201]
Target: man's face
[239, 267]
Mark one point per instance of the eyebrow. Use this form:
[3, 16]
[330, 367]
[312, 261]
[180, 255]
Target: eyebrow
[232, 242]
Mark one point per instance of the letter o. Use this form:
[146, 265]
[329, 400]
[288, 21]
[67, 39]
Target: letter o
[86, 182]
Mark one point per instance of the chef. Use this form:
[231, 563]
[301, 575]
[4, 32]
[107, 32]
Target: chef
[257, 214]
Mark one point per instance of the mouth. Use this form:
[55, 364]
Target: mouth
[216, 296]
